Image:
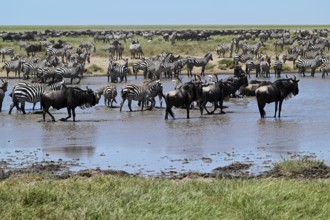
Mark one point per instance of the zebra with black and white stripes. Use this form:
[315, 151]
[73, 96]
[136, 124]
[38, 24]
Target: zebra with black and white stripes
[242, 58]
[277, 66]
[6, 51]
[303, 64]
[87, 45]
[14, 65]
[60, 52]
[32, 67]
[325, 69]
[155, 88]
[71, 72]
[224, 47]
[253, 48]
[141, 65]
[143, 93]
[198, 62]
[115, 71]
[109, 92]
[30, 92]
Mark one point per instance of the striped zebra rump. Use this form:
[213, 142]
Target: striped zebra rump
[6, 51]
[30, 92]
[154, 88]
[133, 92]
[110, 94]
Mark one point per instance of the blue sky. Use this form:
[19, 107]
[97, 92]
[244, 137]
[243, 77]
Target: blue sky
[165, 12]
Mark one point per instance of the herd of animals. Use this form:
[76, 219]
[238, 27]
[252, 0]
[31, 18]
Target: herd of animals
[62, 60]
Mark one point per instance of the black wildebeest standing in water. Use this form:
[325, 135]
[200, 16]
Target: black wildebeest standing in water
[182, 97]
[69, 97]
[215, 93]
[276, 92]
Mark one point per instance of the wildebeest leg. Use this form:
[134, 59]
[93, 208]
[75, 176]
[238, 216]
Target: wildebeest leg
[261, 106]
[276, 103]
[280, 108]
[221, 107]
[169, 110]
[44, 114]
[69, 115]
[188, 107]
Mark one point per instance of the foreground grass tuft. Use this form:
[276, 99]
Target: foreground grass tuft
[33, 196]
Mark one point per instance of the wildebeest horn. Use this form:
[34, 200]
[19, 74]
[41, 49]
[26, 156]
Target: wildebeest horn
[294, 77]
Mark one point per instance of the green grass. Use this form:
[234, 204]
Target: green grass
[37, 196]
[158, 45]
[113, 197]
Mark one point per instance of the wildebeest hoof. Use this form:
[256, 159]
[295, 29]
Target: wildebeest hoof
[63, 119]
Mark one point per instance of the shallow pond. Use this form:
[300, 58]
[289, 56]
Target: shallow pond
[144, 143]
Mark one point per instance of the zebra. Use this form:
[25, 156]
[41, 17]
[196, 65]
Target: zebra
[30, 92]
[303, 64]
[14, 66]
[23, 44]
[277, 66]
[141, 65]
[115, 50]
[29, 67]
[143, 93]
[46, 43]
[222, 48]
[290, 57]
[109, 92]
[51, 51]
[3, 90]
[136, 50]
[198, 62]
[6, 51]
[253, 64]
[87, 45]
[155, 88]
[243, 58]
[253, 48]
[71, 72]
[115, 71]
[325, 69]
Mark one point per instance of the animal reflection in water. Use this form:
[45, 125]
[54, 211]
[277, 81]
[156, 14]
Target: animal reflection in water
[69, 97]
[276, 92]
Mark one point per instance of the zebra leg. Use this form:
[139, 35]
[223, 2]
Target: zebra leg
[203, 69]
[23, 108]
[130, 105]
[122, 103]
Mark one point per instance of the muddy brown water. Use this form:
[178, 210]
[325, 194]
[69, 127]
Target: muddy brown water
[144, 143]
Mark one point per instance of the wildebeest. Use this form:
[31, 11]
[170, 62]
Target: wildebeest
[250, 90]
[3, 90]
[182, 97]
[215, 93]
[276, 92]
[32, 48]
[67, 97]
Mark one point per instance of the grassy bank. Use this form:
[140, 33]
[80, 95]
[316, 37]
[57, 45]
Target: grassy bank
[113, 197]
[40, 196]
